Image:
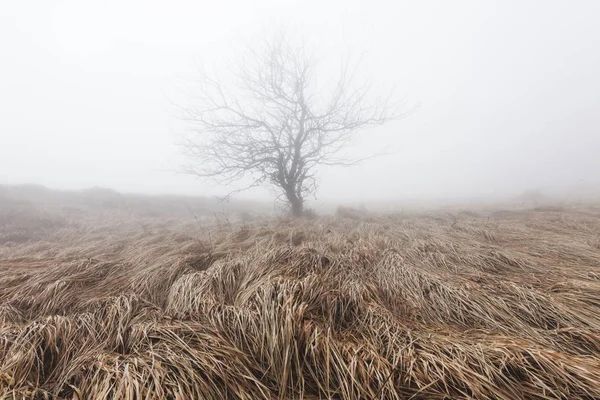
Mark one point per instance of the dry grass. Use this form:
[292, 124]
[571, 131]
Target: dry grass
[463, 305]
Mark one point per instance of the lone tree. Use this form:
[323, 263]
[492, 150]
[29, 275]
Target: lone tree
[280, 125]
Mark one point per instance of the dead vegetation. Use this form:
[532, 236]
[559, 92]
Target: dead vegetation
[443, 305]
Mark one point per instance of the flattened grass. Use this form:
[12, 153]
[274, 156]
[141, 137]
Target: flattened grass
[441, 306]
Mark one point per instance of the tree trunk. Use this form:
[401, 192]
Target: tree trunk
[296, 203]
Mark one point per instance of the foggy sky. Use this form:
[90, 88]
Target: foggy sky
[509, 91]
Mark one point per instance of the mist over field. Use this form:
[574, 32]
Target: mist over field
[506, 93]
[276, 200]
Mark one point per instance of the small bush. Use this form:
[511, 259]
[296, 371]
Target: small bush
[309, 213]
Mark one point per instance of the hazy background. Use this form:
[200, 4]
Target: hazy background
[509, 91]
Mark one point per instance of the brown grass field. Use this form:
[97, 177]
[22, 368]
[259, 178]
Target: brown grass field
[483, 304]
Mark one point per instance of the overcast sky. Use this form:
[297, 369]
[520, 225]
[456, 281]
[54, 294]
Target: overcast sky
[509, 91]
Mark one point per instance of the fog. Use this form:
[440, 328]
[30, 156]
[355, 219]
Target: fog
[508, 93]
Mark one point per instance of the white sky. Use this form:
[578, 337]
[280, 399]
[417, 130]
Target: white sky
[509, 91]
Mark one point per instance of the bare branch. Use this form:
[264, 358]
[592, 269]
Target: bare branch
[279, 127]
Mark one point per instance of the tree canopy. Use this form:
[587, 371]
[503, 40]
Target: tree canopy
[278, 125]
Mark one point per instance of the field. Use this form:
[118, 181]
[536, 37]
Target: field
[101, 302]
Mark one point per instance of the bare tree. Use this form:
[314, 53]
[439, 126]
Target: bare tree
[279, 126]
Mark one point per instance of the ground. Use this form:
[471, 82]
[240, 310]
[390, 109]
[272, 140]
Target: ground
[99, 303]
